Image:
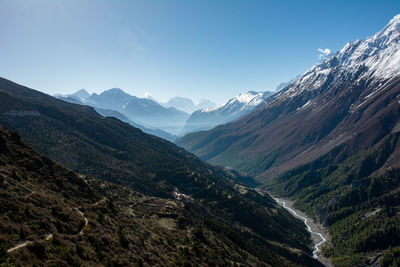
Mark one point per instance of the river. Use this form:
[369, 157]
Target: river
[318, 234]
[322, 239]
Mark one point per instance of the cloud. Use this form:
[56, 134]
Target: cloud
[324, 52]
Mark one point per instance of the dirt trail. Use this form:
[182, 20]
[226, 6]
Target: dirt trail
[21, 245]
[24, 244]
[85, 219]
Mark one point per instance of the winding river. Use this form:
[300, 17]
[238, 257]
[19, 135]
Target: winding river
[322, 239]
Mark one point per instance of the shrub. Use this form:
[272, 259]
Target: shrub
[38, 248]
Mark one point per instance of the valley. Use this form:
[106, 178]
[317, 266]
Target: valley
[201, 159]
[329, 142]
[318, 237]
[141, 169]
[318, 233]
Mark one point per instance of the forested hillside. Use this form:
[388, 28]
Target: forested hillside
[115, 151]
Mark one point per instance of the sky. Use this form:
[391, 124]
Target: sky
[212, 49]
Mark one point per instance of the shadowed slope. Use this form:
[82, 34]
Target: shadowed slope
[110, 149]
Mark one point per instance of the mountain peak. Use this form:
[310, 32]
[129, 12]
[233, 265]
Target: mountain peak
[393, 27]
[377, 56]
[82, 93]
[395, 20]
[115, 92]
[249, 97]
[149, 96]
[205, 104]
[231, 110]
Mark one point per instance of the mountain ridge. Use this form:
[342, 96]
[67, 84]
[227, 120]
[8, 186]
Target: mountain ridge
[329, 142]
[121, 117]
[115, 151]
[142, 111]
[305, 120]
[233, 109]
[54, 217]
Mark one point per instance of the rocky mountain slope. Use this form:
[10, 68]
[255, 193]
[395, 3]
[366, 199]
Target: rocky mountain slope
[330, 142]
[109, 149]
[351, 97]
[358, 200]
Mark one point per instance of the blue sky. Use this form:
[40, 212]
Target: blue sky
[197, 49]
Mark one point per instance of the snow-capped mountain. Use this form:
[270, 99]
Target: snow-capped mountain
[142, 111]
[187, 105]
[233, 109]
[350, 99]
[114, 99]
[376, 57]
[149, 96]
[285, 84]
[205, 103]
[181, 103]
[79, 95]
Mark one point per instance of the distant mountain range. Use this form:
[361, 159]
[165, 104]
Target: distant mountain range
[233, 109]
[330, 141]
[162, 119]
[121, 117]
[147, 114]
[165, 120]
[187, 105]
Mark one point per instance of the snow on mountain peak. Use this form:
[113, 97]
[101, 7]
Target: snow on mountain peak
[249, 97]
[395, 20]
[243, 101]
[377, 56]
[375, 52]
[231, 110]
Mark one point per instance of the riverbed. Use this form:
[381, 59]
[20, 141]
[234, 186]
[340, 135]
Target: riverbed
[319, 234]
